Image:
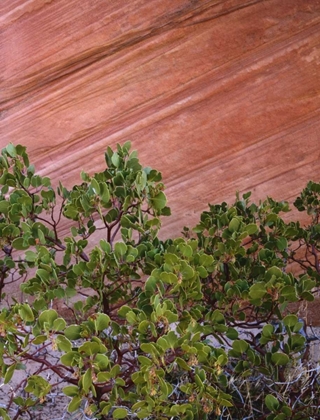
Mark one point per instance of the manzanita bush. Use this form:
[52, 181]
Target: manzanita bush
[195, 327]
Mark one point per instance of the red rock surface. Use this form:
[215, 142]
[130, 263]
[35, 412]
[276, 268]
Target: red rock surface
[218, 95]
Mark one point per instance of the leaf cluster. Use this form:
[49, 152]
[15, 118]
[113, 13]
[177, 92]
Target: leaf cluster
[195, 327]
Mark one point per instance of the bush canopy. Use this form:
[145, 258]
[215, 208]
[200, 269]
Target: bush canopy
[201, 326]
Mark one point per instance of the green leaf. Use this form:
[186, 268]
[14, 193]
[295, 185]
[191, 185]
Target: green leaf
[43, 274]
[104, 193]
[4, 206]
[182, 363]
[149, 348]
[203, 273]
[307, 296]
[119, 413]
[48, 317]
[77, 269]
[74, 231]
[151, 283]
[187, 251]
[267, 330]
[289, 292]
[103, 376]
[186, 271]
[90, 348]
[281, 416]
[73, 332]
[87, 380]
[274, 271]
[143, 414]
[272, 403]
[287, 411]
[145, 361]
[38, 386]
[71, 212]
[131, 317]
[31, 256]
[296, 342]
[124, 310]
[85, 177]
[120, 249]
[163, 344]
[3, 414]
[9, 373]
[63, 343]
[59, 324]
[71, 390]
[258, 290]
[115, 159]
[240, 346]
[217, 317]
[26, 313]
[282, 244]
[105, 246]
[102, 322]
[71, 358]
[280, 359]
[120, 382]
[290, 320]
[232, 333]
[95, 186]
[172, 339]
[11, 150]
[115, 371]
[234, 224]
[159, 201]
[251, 229]
[19, 244]
[39, 339]
[74, 404]
[102, 361]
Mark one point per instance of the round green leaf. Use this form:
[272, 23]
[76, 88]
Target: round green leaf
[280, 359]
[120, 249]
[59, 324]
[119, 413]
[48, 317]
[70, 359]
[19, 244]
[240, 346]
[258, 290]
[159, 201]
[4, 206]
[63, 343]
[251, 229]
[102, 322]
[73, 332]
[232, 333]
[267, 330]
[290, 320]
